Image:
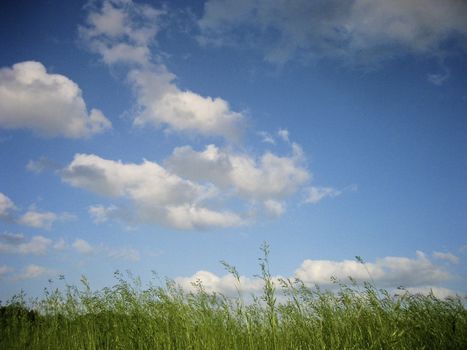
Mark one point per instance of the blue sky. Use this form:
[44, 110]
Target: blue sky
[152, 136]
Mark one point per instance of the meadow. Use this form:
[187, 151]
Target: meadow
[288, 315]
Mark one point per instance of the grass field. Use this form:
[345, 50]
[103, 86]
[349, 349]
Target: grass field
[130, 316]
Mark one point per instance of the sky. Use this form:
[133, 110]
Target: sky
[164, 137]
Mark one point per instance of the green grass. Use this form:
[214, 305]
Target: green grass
[130, 316]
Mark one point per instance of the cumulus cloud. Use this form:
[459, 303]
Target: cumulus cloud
[189, 190]
[83, 247]
[122, 32]
[274, 208]
[388, 271]
[448, 256]
[6, 207]
[417, 275]
[17, 244]
[38, 219]
[42, 219]
[269, 177]
[157, 194]
[226, 284]
[362, 29]
[48, 104]
[164, 104]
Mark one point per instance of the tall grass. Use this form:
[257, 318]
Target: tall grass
[130, 316]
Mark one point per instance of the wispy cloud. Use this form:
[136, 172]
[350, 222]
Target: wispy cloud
[317, 194]
[266, 137]
[128, 254]
[357, 30]
[448, 256]
[118, 253]
[42, 164]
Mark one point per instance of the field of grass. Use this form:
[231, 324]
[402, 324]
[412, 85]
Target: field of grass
[130, 316]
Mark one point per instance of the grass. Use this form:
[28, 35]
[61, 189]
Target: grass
[130, 316]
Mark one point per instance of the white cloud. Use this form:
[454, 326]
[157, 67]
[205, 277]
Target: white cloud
[274, 208]
[448, 256]
[269, 177]
[122, 32]
[361, 29]
[316, 194]
[158, 195]
[83, 247]
[183, 193]
[33, 271]
[38, 219]
[48, 104]
[192, 217]
[266, 137]
[220, 284]
[37, 245]
[164, 104]
[101, 214]
[389, 272]
[17, 244]
[6, 207]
